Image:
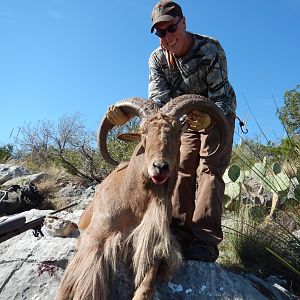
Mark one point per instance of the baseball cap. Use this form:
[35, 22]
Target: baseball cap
[165, 11]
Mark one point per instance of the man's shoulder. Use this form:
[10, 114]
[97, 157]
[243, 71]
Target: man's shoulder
[207, 45]
[157, 56]
[206, 39]
[158, 52]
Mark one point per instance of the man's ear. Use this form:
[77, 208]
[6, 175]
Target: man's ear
[129, 137]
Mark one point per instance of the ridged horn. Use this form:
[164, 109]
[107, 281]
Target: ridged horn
[133, 107]
[182, 105]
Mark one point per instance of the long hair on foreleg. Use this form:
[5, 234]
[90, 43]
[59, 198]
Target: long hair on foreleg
[88, 273]
[152, 241]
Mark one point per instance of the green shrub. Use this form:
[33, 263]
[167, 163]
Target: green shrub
[6, 153]
[265, 248]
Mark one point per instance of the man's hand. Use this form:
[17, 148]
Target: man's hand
[116, 116]
[198, 120]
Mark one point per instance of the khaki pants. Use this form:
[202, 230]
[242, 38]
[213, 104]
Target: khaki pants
[198, 216]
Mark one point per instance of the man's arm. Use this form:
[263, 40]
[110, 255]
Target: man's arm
[158, 88]
[219, 89]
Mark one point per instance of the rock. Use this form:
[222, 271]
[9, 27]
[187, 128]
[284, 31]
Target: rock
[8, 172]
[31, 268]
[296, 233]
[22, 180]
[293, 186]
[70, 191]
[253, 185]
[59, 227]
[86, 197]
[197, 280]
[83, 196]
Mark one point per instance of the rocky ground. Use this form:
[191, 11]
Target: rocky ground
[32, 267]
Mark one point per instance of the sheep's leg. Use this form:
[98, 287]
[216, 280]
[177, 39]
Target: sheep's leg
[88, 273]
[146, 289]
[86, 216]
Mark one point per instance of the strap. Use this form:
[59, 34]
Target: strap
[241, 124]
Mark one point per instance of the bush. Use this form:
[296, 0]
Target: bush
[69, 145]
[6, 153]
[266, 248]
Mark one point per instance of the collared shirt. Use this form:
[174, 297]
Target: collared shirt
[202, 71]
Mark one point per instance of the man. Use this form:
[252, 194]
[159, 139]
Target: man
[187, 63]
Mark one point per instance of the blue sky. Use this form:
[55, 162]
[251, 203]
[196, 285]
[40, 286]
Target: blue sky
[61, 57]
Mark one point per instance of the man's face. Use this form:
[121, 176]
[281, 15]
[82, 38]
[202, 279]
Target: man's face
[174, 42]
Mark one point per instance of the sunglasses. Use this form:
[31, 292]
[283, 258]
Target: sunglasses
[171, 29]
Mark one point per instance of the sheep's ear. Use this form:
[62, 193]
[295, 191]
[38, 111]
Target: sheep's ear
[130, 137]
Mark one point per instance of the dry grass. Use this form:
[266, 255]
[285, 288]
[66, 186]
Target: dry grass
[60, 202]
[248, 241]
[51, 184]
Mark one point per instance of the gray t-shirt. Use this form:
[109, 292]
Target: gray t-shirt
[202, 71]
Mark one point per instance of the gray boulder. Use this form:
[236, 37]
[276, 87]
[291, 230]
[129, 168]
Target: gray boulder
[22, 180]
[31, 268]
[8, 172]
[197, 280]
[83, 196]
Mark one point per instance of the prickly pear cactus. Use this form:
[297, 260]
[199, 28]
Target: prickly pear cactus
[234, 172]
[259, 169]
[276, 167]
[233, 179]
[277, 183]
[232, 190]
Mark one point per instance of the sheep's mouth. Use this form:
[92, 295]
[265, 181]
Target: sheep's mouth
[159, 179]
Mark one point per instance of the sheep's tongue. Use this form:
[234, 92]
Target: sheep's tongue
[159, 179]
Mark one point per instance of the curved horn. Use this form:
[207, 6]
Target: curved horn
[133, 107]
[184, 104]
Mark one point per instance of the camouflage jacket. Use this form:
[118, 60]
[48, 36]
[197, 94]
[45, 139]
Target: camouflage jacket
[202, 71]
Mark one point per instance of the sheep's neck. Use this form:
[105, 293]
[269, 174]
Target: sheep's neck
[143, 191]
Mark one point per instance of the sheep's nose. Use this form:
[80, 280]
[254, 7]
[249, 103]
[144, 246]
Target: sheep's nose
[161, 165]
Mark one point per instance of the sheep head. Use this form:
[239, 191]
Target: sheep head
[160, 138]
[175, 109]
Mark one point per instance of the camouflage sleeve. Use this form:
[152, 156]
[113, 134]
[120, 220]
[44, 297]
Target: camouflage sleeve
[158, 87]
[219, 89]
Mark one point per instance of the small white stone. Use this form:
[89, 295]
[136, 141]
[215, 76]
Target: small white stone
[176, 288]
[203, 288]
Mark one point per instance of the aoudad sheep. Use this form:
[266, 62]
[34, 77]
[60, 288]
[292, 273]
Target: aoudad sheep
[129, 217]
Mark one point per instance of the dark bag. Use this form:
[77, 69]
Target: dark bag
[30, 196]
[18, 199]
